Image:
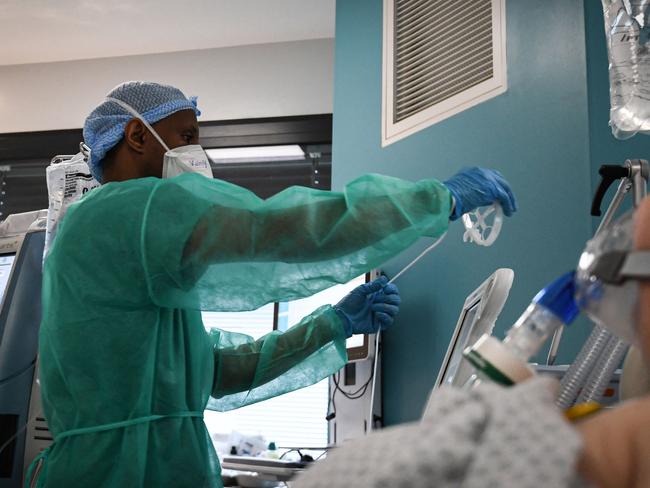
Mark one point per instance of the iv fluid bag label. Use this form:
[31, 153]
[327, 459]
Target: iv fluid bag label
[67, 182]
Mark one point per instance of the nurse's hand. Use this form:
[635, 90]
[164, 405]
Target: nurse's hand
[480, 187]
[369, 307]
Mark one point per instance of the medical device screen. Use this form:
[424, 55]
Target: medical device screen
[355, 341]
[457, 370]
[6, 262]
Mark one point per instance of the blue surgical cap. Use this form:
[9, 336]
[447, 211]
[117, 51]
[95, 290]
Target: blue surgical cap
[104, 127]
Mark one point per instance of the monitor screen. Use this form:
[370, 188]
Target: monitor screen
[355, 341]
[457, 370]
[477, 317]
[6, 262]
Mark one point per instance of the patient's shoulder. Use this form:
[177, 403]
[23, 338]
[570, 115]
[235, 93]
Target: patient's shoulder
[617, 446]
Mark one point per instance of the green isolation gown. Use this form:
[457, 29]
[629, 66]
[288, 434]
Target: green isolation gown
[126, 365]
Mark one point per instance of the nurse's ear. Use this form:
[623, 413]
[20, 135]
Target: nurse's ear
[136, 136]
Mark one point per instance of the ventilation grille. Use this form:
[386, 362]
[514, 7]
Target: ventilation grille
[441, 49]
[41, 431]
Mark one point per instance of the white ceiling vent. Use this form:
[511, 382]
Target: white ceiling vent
[440, 57]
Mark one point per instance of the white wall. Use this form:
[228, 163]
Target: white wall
[266, 80]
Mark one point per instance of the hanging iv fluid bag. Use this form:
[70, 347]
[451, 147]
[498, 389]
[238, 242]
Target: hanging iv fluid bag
[627, 31]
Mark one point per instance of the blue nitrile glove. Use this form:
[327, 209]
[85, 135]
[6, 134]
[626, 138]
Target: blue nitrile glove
[369, 307]
[480, 187]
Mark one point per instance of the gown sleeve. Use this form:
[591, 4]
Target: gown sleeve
[248, 371]
[211, 245]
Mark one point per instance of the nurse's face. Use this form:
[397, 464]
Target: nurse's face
[179, 129]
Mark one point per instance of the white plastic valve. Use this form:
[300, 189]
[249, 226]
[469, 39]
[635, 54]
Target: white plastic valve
[483, 225]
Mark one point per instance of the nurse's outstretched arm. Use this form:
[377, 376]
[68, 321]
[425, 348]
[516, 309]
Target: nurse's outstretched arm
[216, 246]
[305, 225]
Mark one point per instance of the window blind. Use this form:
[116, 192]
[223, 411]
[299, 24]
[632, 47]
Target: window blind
[295, 419]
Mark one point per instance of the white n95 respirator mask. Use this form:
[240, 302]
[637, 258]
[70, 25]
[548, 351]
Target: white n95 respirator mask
[186, 159]
[607, 279]
[182, 159]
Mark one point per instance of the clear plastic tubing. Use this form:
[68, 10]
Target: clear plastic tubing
[576, 376]
[526, 337]
[553, 307]
[371, 420]
[603, 371]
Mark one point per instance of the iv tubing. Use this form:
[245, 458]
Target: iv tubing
[420, 256]
[378, 334]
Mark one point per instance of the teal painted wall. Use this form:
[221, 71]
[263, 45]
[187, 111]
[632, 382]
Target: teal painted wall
[604, 147]
[536, 134]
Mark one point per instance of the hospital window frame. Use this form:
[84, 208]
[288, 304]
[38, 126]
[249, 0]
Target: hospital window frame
[29, 153]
